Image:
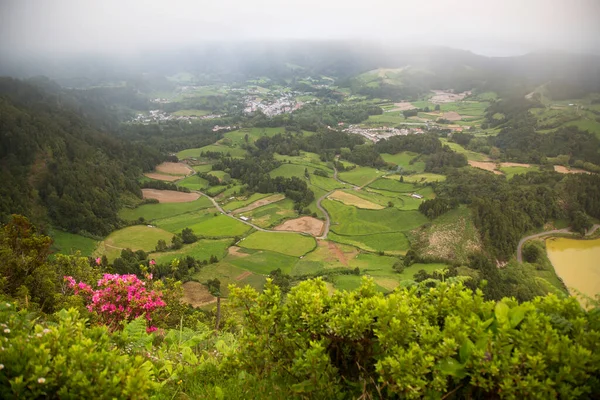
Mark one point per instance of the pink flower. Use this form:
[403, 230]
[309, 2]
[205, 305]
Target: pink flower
[98, 261]
[152, 262]
[151, 329]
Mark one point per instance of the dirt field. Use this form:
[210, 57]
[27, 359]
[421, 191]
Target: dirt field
[260, 203]
[403, 106]
[162, 177]
[513, 164]
[169, 196]
[452, 116]
[352, 200]
[309, 225]
[442, 96]
[235, 251]
[563, 170]
[488, 166]
[174, 168]
[196, 294]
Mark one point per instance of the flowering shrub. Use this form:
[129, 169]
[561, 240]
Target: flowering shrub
[119, 299]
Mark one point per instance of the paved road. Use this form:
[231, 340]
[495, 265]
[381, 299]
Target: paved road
[555, 231]
[327, 218]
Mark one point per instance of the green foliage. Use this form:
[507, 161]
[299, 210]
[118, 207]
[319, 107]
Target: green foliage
[418, 343]
[66, 359]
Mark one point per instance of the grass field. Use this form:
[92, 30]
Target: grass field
[235, 204]
[235, 152]
[176, 223]
[202, 168]
[422, 178]
[201, 250]
[228, 273]
[193, 182]
[290, 170]
[137, 237]
[471, 155]
[351, 199]
[392, 243]
[69, 243]
[351, 282]
[393, 185]
[360, 176]
[272, 214]
[152, 212]
[263, 262]
[347, 220]
[512, 171]
[220, 226]
[238, 137]
[291, 244]
[403, 160]
[307, 159]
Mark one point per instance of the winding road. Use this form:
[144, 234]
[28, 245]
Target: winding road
[547, 233]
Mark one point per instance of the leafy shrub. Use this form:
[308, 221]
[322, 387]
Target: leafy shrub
[66, 360]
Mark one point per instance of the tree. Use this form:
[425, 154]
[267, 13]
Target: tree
[188, 236]
[161, 245]
[437, 107]
[214, 287]
[176, 242]
[246, 138]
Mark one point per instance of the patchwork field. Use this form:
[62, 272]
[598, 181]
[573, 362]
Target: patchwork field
[352, 200]
[193, 182]
[219, 226]
[272, 214]
[360, 176]
[70, 243]
[171, 168]
[394, 243]
[235, 152]
[292, 244]
[259, 203]
[169, 196]
[162, 177]
[404, 159]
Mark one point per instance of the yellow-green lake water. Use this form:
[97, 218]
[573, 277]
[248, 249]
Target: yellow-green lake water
[577, 262]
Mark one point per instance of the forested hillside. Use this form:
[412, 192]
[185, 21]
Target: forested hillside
[58, 167]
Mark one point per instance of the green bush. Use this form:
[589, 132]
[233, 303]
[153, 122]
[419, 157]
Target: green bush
[66, 360]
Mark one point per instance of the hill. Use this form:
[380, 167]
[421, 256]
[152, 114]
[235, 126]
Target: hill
[57, 166]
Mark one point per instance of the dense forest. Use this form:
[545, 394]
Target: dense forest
[58, 167]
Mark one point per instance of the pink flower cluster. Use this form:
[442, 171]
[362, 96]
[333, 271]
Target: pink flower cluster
[118, 299]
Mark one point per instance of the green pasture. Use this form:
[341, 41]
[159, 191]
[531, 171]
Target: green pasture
[421, 178]
[220, 226]
[393, 185]
[292, 244]
[177, 223]
[235, 204]
[512, 171]
[152, 212]
[263, 262]
[360, 176]
[326, 183]
[201, 250]
[290, 170]
[351, 282]
[70, 243]
[137, 237]
[229, 274]
[403, 160]
[193, 182]
[392, 243]
[348, 220]
[307, 159]
[471, 155]
[272, 214]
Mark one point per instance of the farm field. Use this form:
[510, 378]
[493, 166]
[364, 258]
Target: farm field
[259, 202]
[360, 176]
[272, 214]
[292, 244]
[403, 160]
[422, 178]
[193, 182]
[228, 273]
[151, 212]
[394, 243]
[326, 183]
[353, 200]
[310, 225]
[137, 237]
[169, 196]
[391, 184]
[290, 170]
[219, 226]
[512, 171]
[471, 155]
[201, 250]
[261, 261]
[347, 220]
[307, 159]
[69, 243]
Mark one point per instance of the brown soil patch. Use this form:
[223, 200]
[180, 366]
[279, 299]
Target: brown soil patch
[513, 164]
[452, 116]
[259, 203]
[488, 166]
[169, 196]
[338, 253]
[243, 275]
[563, 170]
[174, 168]
[196, 294]
[236, 252]
[352, 200]
[442, 96]
[309, 225]
[403, 106]
[162, 177]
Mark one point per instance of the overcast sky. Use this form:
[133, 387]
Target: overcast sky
[490, 27]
